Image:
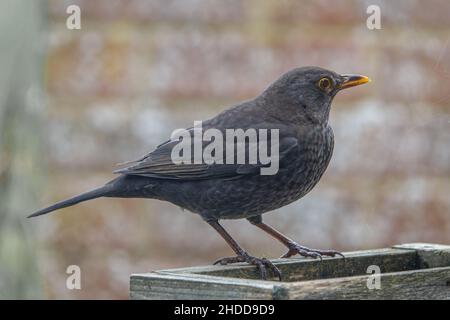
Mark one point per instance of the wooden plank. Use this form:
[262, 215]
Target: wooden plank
[429, 255]
[300, 269]
[163, 285]
[414, 284]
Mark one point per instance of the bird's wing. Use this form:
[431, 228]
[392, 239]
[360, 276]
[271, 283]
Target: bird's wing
[159, 164]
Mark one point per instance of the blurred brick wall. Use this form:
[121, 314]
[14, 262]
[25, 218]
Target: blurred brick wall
[139, 69]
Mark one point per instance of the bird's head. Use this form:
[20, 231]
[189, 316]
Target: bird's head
[305, 94]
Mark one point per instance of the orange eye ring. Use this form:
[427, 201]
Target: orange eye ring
[325, 84]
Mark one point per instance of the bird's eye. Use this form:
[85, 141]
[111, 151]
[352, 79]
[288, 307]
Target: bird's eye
[325, 84]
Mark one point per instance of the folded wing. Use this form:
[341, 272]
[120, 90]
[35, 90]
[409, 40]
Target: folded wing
[159, 164]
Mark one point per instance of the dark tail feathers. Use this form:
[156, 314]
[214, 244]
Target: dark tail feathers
[96, 193]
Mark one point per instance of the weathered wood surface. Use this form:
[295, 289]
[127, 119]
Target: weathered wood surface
[409, 271]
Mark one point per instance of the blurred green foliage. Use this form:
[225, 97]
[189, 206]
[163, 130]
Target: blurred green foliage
[21, 62]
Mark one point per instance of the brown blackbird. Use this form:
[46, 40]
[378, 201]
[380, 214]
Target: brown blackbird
[298, 105]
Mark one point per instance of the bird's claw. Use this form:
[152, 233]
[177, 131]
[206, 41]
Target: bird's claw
[261, 263]
[295, 248]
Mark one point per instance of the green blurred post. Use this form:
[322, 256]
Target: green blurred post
[22, 45]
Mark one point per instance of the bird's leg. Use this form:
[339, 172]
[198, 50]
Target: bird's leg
[241, 255]
[293, 247]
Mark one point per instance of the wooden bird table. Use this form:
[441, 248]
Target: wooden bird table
[407, 271]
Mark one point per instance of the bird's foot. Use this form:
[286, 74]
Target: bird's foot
[295, 248]
[261, 263]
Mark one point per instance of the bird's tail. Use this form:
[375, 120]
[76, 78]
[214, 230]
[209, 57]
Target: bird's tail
[96, 193]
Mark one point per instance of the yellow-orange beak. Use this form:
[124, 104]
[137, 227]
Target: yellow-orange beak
[351, 80]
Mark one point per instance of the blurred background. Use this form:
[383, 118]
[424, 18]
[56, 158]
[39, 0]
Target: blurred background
[73, 103]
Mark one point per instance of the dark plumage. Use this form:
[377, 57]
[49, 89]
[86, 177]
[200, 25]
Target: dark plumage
[298, 104]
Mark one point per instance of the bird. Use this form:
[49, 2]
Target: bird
[297, 105]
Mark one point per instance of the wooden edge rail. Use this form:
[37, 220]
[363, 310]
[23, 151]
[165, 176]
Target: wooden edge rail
[407, 271]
